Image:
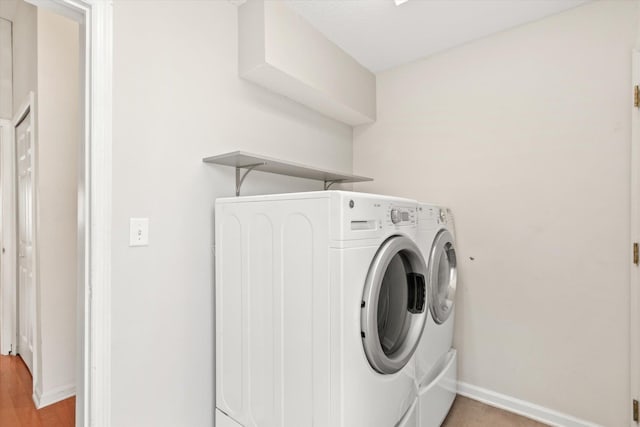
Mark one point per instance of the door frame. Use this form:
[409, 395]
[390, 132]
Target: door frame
[634, 271]
[93, 383]
[7, 282]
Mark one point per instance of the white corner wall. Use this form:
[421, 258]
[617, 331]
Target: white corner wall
[58, 136]
[177, 99]
[526, 136]
[281, 51]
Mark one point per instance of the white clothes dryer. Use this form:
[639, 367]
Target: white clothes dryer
[321, 301]
[436, 359]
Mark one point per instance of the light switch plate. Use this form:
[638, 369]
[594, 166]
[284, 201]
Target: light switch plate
[139, 232]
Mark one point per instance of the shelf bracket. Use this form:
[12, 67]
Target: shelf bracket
[240, 179]
[330, 182]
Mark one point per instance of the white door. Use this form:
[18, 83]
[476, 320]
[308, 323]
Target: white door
[26, 282]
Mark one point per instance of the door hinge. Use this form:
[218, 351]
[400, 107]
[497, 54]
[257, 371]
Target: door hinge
[635, 410]
[636, 96]
[635, 253]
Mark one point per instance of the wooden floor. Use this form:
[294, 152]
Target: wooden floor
[16, 406]
[471, 413]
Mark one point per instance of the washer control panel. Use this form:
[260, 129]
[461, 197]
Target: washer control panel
[366, 217]
[399, 215]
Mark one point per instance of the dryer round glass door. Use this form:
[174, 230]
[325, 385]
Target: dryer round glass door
[394, 305]
[442, 276]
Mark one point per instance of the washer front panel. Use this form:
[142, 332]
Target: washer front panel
[394, 305]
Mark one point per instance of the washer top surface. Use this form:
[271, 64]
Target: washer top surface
[341, 194]
[359, 218]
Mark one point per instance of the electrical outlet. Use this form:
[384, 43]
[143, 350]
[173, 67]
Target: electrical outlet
[139, 232]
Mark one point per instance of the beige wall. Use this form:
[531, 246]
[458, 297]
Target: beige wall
[58, 121]
[6, 70]
[24, 50]
[526, 136]
[177, 99]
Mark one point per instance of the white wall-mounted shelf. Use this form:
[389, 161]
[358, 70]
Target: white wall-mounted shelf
[250, 162]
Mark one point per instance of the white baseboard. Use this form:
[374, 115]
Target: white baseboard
[521, 407]
[53, 396]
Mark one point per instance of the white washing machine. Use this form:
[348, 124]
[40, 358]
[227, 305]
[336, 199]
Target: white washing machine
[321, 301]
[436, 359]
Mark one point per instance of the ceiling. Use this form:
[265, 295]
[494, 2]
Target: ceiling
[381, 35]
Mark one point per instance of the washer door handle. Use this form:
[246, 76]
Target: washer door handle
[417, 293]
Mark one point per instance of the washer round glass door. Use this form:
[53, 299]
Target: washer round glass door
[442, 276]
[394, 305]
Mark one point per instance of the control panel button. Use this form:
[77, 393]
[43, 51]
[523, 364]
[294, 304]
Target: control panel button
[443, 216]
[395, 216]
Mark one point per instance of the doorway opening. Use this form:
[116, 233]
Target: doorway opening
[30, 313]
